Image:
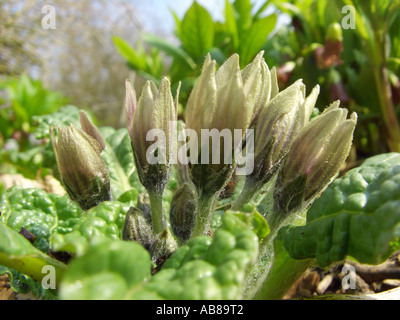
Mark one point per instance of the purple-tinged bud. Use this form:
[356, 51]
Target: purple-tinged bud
[83, 172]
[315, 158]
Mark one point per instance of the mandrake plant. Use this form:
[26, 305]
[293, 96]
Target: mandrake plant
[133, 228]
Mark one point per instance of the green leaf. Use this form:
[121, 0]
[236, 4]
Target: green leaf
[63, 117]
[197, 31]
[17, 253]
[104, 221]
[129, 53]
[118, 157]
[358, 215]
[230, 24]
[255, 38]
[206, 268]
[203, 269]
[254, 220]
[38, 212]
[171, 50]
[108, 270]
[244, 19]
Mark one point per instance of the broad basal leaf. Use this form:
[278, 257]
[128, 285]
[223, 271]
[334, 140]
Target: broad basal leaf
[118, 157]
[104, 221]
[109, 270]
[38, 212]
[204, 269]
[358, 215]
[19, 254]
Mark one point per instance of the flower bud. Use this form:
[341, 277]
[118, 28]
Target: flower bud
[163, 245]
[83, 172]
[182, 212]
[143, 204]
[277, 125]
[223, 102]
[154, 113]
[137, 228]
[316, 156]
[328, 55]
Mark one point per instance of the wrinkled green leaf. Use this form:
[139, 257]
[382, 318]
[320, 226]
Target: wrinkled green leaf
[254, 220]
[37, 211]
[19, 254]
[105, 221]
[63, 117]
[118, 157]
[203, 269]
[358, 215]
[206, 268]
[109, 270]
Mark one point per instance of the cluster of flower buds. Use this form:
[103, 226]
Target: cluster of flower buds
[300, 155]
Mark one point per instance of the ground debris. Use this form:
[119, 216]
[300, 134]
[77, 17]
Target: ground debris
[367, 280]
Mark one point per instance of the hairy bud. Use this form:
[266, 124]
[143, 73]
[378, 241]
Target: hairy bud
[182, 212]
[83, 172]
[137, 228]
[316, 156]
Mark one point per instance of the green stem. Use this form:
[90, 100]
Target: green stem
[205, 205]
[384, 91]
[156, 211]
[279, 275]
[248, 192]
[284, 273]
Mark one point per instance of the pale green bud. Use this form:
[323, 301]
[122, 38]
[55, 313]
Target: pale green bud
[277, 125]
[83, 172]
[315, 158]
[222, 102]
[334, 32]
[154, 110]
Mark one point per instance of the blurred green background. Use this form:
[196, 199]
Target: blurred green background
[351, 48]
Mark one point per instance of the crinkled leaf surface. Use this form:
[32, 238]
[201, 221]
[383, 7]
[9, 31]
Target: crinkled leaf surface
[206, 268]
[203, 269]
[118, 157]
[358, 215]
[63, 117]
[18, 253]
[106, 220]
[39, 212]
[108, 270]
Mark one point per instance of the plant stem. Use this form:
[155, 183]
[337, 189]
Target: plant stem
[379, 63]
[279, 275]
[205, 205]
[156, 211]
[284, 273]
[248, 192]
